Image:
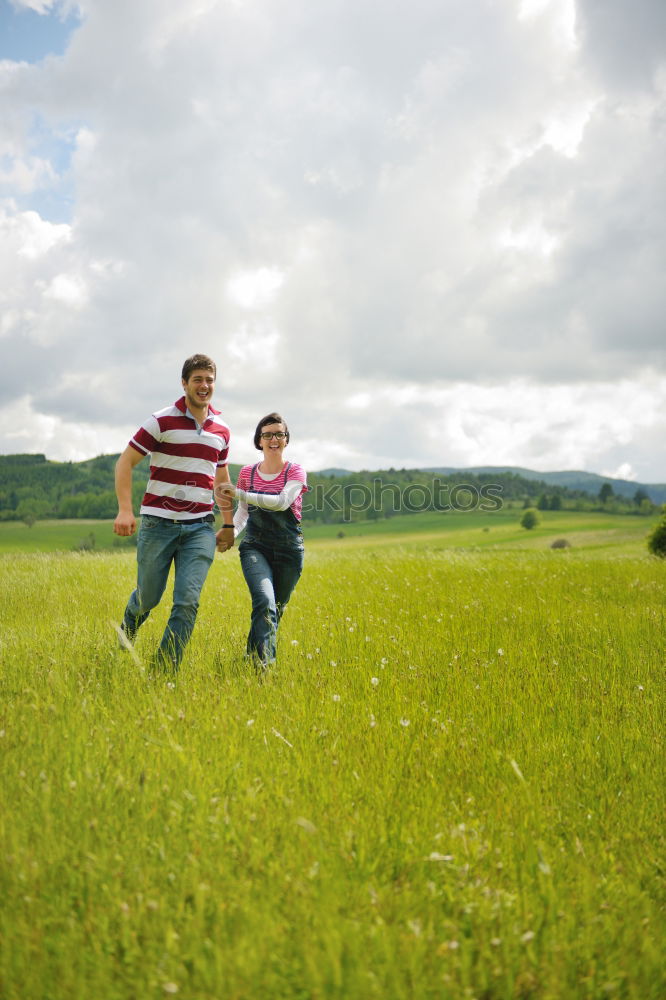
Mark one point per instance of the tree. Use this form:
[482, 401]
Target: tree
[530, 519]
[30, 510]
[606, 492]
[656, 541]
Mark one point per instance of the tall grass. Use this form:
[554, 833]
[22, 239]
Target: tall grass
[452, 786]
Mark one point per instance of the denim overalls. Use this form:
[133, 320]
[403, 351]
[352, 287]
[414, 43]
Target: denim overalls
[271, 557]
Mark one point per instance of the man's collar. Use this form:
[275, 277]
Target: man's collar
[182, 406]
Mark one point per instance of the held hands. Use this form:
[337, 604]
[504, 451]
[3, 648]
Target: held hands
[225, 490]
[225, 538]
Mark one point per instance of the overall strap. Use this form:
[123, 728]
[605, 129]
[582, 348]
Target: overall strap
[254, 469]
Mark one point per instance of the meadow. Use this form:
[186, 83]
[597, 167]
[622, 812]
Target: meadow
[452, 786]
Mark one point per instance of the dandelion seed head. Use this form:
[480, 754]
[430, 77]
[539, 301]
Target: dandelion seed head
[500, 652]
[374, 681]
[336, 697]
[404, 722]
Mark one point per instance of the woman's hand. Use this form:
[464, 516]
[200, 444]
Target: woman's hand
[225, 490]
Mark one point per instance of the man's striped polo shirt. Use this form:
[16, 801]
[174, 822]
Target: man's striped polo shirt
[183, 458]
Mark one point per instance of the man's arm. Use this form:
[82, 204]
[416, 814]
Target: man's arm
[125, 522]
[225, 536]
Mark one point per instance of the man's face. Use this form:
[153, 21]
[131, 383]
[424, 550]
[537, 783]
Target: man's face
[199, 388]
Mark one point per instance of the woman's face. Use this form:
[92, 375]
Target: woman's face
[272, 445]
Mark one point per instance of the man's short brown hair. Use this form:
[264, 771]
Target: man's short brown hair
[198, 361]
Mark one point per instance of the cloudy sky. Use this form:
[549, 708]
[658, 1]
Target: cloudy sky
[429, 232]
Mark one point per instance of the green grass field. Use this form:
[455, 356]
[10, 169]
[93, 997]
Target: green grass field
[451, 787]
[468, 530]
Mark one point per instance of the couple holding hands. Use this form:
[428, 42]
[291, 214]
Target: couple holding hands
[188, 444]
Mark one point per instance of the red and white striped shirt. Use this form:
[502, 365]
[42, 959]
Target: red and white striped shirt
[183, 458]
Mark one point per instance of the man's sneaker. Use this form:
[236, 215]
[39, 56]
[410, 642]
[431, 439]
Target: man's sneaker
[126, 637]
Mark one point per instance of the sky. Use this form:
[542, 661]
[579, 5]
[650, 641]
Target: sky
[428, 232]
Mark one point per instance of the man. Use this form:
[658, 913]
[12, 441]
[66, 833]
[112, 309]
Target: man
[188, 445]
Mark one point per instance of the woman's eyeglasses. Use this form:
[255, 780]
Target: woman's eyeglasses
[267, 435]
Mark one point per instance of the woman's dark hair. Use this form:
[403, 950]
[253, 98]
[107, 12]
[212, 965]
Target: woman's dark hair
[272, 418]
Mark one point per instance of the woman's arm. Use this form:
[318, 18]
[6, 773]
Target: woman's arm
[273, 501]
[240, 517]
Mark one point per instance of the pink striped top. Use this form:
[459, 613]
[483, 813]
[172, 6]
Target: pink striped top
[275, 486]
[183, 460]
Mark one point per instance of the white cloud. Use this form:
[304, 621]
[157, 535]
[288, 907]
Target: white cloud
[69, 289]
[38, 6]
[254, 289]
[444, 219]
[61, 440]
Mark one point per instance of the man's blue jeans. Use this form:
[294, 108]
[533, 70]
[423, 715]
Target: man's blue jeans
[191, 548]
[271, 575]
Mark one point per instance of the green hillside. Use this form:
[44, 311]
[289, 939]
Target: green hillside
[32, 488]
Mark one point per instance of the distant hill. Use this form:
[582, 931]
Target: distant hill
[587, 482]
[574, 480]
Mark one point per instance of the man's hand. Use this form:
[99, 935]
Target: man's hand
[225, 538]
[124, 524]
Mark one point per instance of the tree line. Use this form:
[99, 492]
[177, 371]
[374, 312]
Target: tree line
[34, 488]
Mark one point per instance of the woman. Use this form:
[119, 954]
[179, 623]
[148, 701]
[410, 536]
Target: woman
[271, 554]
